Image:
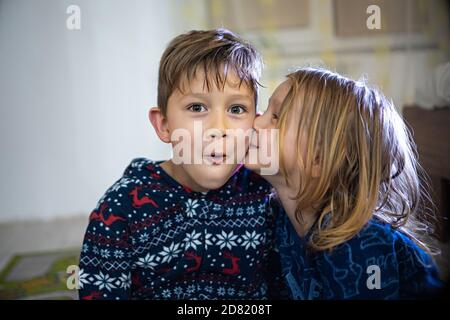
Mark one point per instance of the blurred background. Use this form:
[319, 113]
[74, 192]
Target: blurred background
[78, 77]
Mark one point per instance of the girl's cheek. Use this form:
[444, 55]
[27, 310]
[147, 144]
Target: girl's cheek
[290, 150]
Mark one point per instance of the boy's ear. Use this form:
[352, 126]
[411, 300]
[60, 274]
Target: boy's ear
[159, 122]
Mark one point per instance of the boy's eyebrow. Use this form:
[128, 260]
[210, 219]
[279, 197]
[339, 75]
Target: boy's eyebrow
[237, 96]
[233, 96]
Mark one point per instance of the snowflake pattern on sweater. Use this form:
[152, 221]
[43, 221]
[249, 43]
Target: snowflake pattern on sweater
[151, 238]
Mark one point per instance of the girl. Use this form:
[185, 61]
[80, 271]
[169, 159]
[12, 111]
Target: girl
[349, 185]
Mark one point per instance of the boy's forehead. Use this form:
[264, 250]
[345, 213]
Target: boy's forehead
[201, 82]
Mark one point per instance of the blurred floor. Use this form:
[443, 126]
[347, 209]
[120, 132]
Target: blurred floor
[38, 236]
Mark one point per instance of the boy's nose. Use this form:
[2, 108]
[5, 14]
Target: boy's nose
[219, 127]
[217, 134]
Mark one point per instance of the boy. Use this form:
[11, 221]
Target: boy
[189, 229]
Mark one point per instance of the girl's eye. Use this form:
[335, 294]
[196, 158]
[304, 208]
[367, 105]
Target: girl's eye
[197, 107]
[274, 116]
[237, 109]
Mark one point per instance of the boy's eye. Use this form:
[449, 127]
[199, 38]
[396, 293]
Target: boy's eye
[237, 109]
[196, 107]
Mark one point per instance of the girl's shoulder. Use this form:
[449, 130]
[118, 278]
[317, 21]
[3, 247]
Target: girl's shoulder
[404, 266]
[377, 232]
[379, 244]
[381, 236]
[380, 239]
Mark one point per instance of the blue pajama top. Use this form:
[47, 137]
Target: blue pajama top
[351, 270]
[151, 238]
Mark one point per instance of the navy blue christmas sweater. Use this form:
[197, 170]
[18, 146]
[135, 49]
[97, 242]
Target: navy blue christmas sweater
[151, 238]
[378, 263]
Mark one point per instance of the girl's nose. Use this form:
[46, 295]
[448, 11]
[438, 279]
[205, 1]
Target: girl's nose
[258, 122]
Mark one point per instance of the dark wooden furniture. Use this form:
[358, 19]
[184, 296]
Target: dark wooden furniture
[431, 132]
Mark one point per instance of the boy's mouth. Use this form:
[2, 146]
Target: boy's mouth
[215, 158]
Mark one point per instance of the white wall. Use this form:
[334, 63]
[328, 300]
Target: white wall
[74, 103]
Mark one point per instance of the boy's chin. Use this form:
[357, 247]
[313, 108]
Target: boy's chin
[266, 171]
[212, 177]
[253, 167]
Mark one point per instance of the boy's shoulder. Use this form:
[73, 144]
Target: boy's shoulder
[139, 172]
[140, 168]
[122, 195]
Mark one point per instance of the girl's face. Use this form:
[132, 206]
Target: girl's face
[266, 123]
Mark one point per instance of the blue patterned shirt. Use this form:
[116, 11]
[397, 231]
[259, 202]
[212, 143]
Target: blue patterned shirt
[151, 238]
[351, 269]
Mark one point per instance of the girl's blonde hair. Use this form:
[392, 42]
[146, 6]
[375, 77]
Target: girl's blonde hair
[367, 159]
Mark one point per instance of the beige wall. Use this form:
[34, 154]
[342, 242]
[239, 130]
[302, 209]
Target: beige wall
[397, 63]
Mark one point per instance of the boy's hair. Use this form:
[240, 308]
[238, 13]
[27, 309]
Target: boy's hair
[213, 51]
[367, 158]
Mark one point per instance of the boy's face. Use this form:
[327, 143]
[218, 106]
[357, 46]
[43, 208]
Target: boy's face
[212, 124]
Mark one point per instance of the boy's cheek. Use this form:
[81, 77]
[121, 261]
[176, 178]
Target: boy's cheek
[244, 124]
